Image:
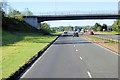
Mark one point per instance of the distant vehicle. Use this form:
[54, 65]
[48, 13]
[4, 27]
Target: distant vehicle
[65, 33]
[82, 31]
[75, 34]
[91, 33]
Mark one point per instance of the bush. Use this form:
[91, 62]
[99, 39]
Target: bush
[19, 17]
[45, 31]
[15, 24]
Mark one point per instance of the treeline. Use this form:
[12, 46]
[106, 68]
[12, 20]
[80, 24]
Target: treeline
[8, 11]
[96, 27]
[104, 27]
[99, 27]
[67, 28]
[17, 14]
[116, 26]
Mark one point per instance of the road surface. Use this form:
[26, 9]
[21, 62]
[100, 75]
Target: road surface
[108, 36]
[74, 57]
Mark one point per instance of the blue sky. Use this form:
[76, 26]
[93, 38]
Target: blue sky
[71, 7]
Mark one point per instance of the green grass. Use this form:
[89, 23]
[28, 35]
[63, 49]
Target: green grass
[110, 32]
[20, 42]
[18, 48]
[56, 33]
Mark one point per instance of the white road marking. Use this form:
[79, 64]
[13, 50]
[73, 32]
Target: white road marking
[76, 50]
[81, 58]
[27, 70]
[107, 49]
[89, 74]
[103, 47]
[74, 45]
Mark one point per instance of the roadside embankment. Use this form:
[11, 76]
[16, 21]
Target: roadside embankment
[22, 44]
[23, 51]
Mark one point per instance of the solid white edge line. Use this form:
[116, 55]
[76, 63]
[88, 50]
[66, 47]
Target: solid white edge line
[103, 47]
[36, 61]
[81, 58]
[106, 49]
[89, 74]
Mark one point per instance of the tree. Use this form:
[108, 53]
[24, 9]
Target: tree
[66, 28]
[70, 28]
[15, 12]
[109, 29]
[10, 12]
[114, 26]
[52, 29]
[76, 28]
[84, 28]
[96, 25]
[99, 28]
[27, 12]
[104, 27]
[4, 5]
[118, 29]
[61, 28]
[45, 26]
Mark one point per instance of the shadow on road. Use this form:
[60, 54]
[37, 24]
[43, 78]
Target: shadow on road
[72, 43]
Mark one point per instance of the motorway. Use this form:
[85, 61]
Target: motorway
[74, 57]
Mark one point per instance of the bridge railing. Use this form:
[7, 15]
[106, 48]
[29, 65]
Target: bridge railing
[78, 12]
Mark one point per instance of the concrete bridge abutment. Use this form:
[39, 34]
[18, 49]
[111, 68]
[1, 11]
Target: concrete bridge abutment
[33, 21]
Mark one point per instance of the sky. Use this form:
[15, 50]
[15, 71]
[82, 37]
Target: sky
[63, 0]
[65, 7]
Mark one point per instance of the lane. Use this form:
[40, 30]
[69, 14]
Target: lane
[101, 62]
[59, 61]
[75, 57]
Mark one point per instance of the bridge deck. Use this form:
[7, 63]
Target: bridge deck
[74, 17]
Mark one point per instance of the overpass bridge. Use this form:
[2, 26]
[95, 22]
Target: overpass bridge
[35, 21]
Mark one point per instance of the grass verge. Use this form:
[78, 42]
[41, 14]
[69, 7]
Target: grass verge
[18, 48]
[56, 33]
[113, 32]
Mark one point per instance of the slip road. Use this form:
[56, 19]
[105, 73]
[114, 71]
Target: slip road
[74, 57]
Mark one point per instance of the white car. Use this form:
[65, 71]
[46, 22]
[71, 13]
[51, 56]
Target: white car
[65, 33]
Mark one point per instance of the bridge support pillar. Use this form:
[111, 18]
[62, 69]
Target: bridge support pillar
[33, 21]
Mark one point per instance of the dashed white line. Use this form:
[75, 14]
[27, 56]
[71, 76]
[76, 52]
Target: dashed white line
[76, 50]
[74, 45]
[81, 58]
[89, 74]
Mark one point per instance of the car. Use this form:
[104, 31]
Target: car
[91, 33]
[75, 34]
[65, 33]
